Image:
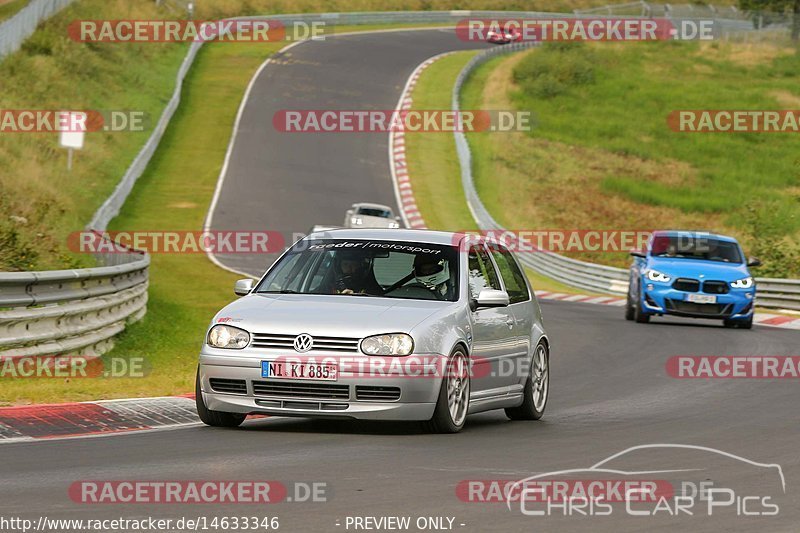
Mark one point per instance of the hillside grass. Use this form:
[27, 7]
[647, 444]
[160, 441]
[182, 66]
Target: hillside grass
[602, 156]
[433, 165]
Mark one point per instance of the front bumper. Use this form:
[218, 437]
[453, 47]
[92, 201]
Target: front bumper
[416, 399]
[738, 304]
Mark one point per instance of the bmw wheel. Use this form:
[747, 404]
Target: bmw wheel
[638, 315]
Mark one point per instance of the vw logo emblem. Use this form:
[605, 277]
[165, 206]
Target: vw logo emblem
[303, 342]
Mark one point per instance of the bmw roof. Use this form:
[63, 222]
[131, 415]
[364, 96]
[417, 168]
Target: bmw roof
[705, 234]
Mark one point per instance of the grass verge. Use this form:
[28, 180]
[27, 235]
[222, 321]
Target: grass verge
[10, 8]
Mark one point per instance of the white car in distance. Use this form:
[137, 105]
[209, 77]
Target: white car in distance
[366, 215]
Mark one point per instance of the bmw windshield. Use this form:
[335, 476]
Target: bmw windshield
[695, 247]
[391, 269]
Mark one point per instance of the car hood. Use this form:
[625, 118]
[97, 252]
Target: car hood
[696, 269]
[326, 315]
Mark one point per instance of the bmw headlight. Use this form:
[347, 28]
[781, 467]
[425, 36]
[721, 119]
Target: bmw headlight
[655, 275]
[228, 337]
[390, 344]
[744, 283]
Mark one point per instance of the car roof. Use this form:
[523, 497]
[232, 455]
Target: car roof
[707, 234]
[372, 206]
[412, 235]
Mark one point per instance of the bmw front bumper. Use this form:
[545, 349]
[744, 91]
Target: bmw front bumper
[738, 304]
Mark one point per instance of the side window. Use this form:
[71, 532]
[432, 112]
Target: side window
[512, 275]
[480, 272]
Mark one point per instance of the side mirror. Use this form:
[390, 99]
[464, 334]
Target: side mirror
[637, 253]
[754, 262]
[243, 287]
[397, 218]
[492, 298]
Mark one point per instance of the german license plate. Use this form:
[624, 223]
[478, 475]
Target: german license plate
[701, 298]
[291, 370]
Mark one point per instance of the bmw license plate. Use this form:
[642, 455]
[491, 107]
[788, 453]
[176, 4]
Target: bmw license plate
[291, 370]
[701, 298]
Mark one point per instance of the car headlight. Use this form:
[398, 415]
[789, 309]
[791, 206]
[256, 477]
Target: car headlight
[390, 344]
[744, 283]
[655, 275]
[394, 225]
[228, 337]
[356, 221]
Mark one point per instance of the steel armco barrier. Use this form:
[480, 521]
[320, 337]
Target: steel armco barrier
[772, 293]
[72, 312]
[22, 25]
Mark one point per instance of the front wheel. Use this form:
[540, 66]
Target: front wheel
[214, 418]
[630, 312]
[537, 388]
[638, 315]
[741, 324]
[453, 402]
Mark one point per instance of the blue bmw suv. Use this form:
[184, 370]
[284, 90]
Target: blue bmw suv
[692, 274]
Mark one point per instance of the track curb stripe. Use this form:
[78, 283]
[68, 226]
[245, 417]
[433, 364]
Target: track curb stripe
[83, 419]
[397, 154]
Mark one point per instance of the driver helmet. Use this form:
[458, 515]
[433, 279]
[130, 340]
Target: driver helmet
[431, 270]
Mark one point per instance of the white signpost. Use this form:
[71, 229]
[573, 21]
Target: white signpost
[70, 137]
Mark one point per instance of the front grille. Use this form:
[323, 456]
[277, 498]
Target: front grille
[228, 386]
[692, 308]
[686, 285]
[715, 287]
[377, 394]
[288, 389]
[286, 342]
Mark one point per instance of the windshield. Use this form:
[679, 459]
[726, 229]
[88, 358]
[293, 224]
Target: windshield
[372, 212]
[391, 269]
[695, 247]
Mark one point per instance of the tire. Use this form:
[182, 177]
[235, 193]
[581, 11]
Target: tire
[638, 315]
[630, 312]
[537, 388]
[740, 324]
[455, 389]
[214, 418]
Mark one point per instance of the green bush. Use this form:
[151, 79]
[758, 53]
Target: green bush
[779, 255]
[555, 68]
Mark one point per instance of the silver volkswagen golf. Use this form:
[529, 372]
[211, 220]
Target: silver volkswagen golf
[379, 324]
